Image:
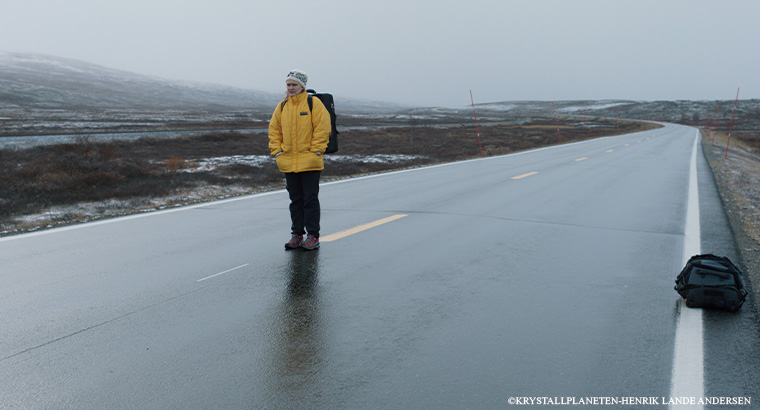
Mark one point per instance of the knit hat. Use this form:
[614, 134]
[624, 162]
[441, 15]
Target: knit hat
[298, 76]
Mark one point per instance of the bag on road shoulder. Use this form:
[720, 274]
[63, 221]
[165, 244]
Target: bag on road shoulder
[710, 281]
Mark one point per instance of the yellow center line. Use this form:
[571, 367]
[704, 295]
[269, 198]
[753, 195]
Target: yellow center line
[357, 229]
[627, 145]
[525, 175]
[581, 159]
[610, 150]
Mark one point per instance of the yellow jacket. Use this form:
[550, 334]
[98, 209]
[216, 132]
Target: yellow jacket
[299, 135]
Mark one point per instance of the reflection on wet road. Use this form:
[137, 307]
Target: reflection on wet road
[533, 274]
[298, 348]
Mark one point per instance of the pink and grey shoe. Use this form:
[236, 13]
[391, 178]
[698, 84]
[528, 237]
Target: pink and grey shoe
[310, 243]
[294, 242]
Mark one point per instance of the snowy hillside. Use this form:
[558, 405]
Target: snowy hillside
[36, 81]
[699, 113]
[41, 81]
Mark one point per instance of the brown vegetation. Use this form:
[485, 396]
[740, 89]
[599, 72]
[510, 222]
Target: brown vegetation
[38, 179]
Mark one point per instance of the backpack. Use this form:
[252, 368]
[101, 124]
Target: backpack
[329, 103]
[711, 281]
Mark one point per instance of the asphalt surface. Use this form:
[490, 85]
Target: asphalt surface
[547, 273]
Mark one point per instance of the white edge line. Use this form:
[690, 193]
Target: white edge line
[688, 378]
[279, 191]
[143, 214]
[222, 273]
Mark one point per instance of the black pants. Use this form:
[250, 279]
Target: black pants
[303, 188]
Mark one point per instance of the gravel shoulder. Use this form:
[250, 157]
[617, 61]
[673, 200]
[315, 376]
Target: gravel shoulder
[737, 175]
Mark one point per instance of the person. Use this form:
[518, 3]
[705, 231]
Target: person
[298, 136]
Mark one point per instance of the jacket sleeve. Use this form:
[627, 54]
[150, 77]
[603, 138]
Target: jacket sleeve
[322, 127]
[275, 131]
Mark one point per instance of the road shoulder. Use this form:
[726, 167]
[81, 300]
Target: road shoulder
[737, 180]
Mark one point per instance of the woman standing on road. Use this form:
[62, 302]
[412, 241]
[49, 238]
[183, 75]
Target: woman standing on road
[298, 134]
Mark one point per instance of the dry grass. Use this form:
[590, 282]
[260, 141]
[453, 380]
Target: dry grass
[148, 173]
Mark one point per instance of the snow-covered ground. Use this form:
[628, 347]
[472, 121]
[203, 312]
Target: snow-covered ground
[602, 105]
[211, 164]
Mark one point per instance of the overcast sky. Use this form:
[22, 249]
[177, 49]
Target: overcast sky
[413, 52]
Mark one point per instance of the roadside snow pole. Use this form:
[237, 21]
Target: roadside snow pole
[477, 130]
[732, 123]
[556, 122]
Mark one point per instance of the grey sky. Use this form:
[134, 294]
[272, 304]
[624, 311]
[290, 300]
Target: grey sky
[413, 52]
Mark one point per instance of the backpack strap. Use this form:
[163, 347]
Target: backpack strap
[309, 93]
[308, 100]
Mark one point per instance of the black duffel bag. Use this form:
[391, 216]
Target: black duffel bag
[711, 281]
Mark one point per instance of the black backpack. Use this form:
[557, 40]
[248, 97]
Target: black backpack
[711, 281]
[329, 103]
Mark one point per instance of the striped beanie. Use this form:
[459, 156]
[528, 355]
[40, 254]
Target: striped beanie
[298, 76]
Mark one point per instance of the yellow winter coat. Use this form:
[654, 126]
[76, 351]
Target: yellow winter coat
[300, 134]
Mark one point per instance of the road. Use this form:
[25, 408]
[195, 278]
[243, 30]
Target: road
[546, 273]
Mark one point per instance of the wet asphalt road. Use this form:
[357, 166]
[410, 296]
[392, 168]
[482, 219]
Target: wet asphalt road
[546, 273]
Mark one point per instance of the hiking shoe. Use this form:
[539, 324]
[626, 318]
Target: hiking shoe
[294, 242]
[310, 243]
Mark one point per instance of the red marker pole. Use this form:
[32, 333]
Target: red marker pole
[556, 122]
[476, 123]
[732, 123]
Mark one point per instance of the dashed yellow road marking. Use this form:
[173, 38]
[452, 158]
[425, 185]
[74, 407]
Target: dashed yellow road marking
[360, 228]
[525, 175]
[610, 150]
[581, 159]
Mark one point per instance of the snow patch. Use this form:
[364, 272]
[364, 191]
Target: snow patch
[374, 159]
[600, 106]
[210, 164]
[258, 161]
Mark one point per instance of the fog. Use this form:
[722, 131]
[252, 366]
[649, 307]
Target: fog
[413, 52]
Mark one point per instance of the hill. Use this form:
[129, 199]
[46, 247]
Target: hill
[44, 95]
[46, 82]
[37, 81]
[695, 113]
